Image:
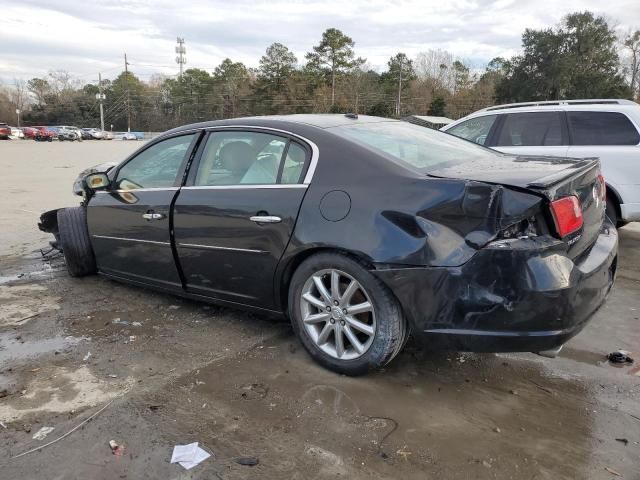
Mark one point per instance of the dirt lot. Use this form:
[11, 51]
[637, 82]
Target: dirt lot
[171, 371]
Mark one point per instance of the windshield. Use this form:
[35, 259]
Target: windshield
[414, 146]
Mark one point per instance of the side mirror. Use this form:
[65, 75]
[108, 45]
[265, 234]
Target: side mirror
[97, 181]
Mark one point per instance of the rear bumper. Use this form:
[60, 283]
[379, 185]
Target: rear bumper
[517, 295]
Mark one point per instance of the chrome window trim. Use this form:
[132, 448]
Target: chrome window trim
[213, 247]
[150, 189]
[245, 186]
[152, 242]
[315, 152]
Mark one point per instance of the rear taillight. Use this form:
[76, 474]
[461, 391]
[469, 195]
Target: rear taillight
[567, 215]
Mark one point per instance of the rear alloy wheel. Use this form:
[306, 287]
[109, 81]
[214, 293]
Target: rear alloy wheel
[344, 316]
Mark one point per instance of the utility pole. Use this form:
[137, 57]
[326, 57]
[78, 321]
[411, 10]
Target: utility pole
[101, 97]
[399, 88]
[126, 73]
[181, 50]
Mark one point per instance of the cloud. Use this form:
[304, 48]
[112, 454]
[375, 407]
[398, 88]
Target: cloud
[84, 39]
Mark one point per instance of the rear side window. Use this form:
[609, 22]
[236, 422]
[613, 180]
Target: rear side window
[475, 130]
[536, 129]
[249, 158]
[602, 128]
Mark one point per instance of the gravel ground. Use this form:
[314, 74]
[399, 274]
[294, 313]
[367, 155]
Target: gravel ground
[171, 371]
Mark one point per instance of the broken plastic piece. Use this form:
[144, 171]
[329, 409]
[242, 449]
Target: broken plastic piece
[42, 433]
[621, 356]
[189, 455]
[115, 448]
[247, 461]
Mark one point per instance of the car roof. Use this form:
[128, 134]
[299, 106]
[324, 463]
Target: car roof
[320, 120]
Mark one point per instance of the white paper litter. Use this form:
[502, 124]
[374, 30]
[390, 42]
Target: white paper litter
[42, 433]
[189, 455]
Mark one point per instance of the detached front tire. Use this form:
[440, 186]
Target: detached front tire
[345, 317]
[74, 240]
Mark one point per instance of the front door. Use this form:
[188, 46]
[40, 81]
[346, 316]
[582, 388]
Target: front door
[234, 219]
[129, 223]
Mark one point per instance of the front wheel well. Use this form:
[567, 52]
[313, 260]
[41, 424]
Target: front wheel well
[293, 263]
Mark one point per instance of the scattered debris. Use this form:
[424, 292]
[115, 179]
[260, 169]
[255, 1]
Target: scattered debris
[3, 425]
[497, 429]
[42, 433]
[404, 453]
[34, 370]
[621, 356]
[112, 375]
[248, 461]
[623, 440]
[154, 407]
[119, 321]
[116, 449]
[174, 307]
[188, 456]
[136, 324]
[486, 464]
[86, 357]
[612, 472]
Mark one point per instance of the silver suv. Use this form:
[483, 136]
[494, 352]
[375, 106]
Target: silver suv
[608, 129]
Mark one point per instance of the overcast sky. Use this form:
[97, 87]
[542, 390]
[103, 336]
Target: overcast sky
[85, 37]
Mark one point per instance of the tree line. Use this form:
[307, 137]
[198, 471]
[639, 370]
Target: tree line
[582, 57]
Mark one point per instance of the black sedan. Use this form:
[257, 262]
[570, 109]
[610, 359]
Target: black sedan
[361, 230]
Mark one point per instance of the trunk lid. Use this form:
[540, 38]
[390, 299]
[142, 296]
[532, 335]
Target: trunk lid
[550, 177]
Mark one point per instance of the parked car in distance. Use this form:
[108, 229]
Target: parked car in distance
[16, 133]
[125, 136]
[93, 133]
[5, 131]
[608, 129]
[107, 135]
[29, 132]
[359, 229]
[45, 134]
[68, 133]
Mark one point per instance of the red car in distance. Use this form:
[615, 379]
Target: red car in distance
[5, 131]
[29, 132]
[44, 134]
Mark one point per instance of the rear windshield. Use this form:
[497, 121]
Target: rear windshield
[418, 147]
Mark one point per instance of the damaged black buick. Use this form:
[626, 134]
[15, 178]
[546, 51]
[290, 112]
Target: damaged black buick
[360, 230]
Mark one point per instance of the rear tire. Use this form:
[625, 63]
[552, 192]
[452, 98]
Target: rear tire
[74, 240]
[388, 328]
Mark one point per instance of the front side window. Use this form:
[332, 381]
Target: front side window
[602, 128]
[155, 167]
[475, 130]
[535, 129]
[249, 158]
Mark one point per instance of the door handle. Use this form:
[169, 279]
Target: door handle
[153, 216]
[265, 219]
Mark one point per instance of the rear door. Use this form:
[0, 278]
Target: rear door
[531, 133]
[234, 218]
[129, 224]
[614, 139]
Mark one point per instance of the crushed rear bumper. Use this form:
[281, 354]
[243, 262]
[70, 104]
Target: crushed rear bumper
[515, 295]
